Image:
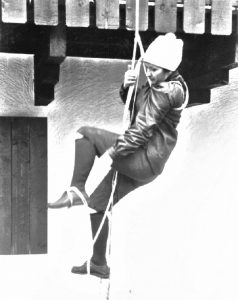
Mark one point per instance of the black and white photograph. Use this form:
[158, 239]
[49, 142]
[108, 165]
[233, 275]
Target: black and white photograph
[119, 149]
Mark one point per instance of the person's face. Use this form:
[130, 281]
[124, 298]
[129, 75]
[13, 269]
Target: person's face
[155, 74]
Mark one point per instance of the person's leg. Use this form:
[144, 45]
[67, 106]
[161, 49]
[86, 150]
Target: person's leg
[93, 141]
[100, 198]
[100, 245]
[98, 201]
[101, 139]
[84, 158]
[98, 263]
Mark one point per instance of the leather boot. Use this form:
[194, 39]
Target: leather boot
[64, 200]
[98, 263]
[99, 271]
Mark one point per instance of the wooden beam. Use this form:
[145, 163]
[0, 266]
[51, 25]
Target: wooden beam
[77, 13]
[47, 60]
[14, 11]
[5, 186]
[46, 12]
[57, 49]
[194, 16]
[216, 78]
[107, 14]
[130, 14]
[165, 15]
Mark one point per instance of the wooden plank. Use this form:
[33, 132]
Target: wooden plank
[38, 185]
[14, 11]
[20, 176]
[165, 15]
[130, 14]
[5, 186]
[221, 17]
[77, 13]
[194, 16]
[143, 19]
[209, 2]
[46, 12]
[107, 14]
[58, 42]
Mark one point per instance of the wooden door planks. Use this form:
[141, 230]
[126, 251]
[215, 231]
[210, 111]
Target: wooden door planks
[107, 14]
[165, 15]
[38, 185]
[143, 15]
[23, 185]
[77, 13]
[221, 22]
[20, 181]
[5, 186]
[14, 11]
[46, 12]
[194, 16]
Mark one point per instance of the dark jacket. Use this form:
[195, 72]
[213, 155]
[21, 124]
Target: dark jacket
[142, 151]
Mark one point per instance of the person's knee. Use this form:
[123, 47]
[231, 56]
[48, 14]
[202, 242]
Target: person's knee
[82, 132]
[86, 131]
[78, 136]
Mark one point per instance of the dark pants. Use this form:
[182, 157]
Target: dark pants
[95, 142]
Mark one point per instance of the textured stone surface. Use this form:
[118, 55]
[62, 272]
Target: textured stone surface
[172, 239]
[17, 86]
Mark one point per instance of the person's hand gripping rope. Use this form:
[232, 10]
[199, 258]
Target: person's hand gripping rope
[130, 77]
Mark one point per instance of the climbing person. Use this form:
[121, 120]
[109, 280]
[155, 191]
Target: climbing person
[140, 153]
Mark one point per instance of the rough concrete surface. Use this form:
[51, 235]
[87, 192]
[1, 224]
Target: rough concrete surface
[175, 238]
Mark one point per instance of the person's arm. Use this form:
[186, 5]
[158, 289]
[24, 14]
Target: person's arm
[168, 96]
[142, 129]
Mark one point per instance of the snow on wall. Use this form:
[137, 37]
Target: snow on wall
[175, 238]
[178, 237]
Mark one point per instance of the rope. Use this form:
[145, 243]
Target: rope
[136, 67]
[77, 191]
[85, 204]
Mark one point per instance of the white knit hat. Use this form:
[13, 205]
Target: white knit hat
[165, 52]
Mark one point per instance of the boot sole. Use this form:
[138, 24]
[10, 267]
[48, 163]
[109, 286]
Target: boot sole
[100, 275]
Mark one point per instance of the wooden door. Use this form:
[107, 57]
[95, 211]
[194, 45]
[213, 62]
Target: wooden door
[23, 185]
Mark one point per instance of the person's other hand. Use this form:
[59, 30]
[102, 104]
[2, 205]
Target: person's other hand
[130, 77]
